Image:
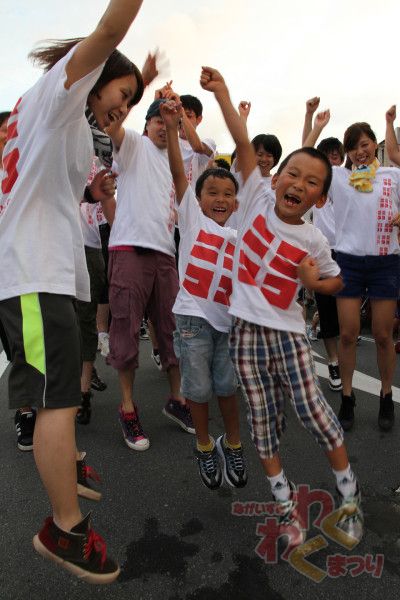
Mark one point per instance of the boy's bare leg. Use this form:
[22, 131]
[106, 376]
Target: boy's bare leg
[174, 378]
[331, 347]
[229, 408]
[272, 466]
[199, 412]
[103, 311]
[86, 377]
[126, 380]
[55, 455]
[338, 458]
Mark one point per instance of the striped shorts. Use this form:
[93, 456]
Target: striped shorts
[271, 365]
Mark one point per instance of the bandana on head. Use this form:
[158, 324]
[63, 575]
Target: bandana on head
[361, 177]
[102, 143]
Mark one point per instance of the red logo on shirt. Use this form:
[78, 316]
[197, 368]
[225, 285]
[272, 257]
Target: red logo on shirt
[279, 291]
[198, 279]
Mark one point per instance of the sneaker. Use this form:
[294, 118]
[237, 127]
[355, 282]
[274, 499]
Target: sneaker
[85, 411]
[25, 426]
[87, 475]
[96, 383]
[156, 357]
[386, 412]
[351, 522]
[346, 412]
[81, 551]
[143, 334]
[180, 413]
[209, 468]
[104, 344]
[233, 462]
[312, 334]
[335, 383]
[290, 521]
[132, 430]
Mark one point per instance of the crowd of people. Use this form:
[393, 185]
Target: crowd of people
[211, 260]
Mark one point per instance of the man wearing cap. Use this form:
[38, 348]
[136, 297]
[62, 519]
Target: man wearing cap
[142, 270]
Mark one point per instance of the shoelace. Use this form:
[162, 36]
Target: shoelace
[209, 464]
[95, 542]
[134, 427]
[235, 459]
[89, 472]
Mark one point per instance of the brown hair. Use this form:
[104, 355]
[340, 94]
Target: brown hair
[353, 134]
[117, 65]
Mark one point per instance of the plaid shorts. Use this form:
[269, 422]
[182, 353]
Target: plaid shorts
[272, 364]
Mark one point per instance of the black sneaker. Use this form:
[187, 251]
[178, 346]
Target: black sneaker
[81, 551]
[346, 412]
[335, 383]
[96, 383]
[386, 412]
[25, 426]
[180, 413]
[209, 468]
[351, 521]
[86, 476]
[233, 462]
[85, 411]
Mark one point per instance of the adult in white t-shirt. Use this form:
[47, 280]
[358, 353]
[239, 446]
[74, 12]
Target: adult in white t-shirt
[46, 162]
[143, 276]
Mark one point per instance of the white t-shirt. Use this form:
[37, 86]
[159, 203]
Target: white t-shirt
[268, 251]
[362, 218]
[233, 219]
[46, 162]
[194, 163]
[145, 214]
[92, 214]
[205, 265]
[324, 220]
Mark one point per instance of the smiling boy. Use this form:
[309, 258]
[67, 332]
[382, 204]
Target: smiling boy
[276, 252]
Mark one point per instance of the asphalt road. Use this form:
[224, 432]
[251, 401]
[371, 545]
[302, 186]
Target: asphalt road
[177, 540]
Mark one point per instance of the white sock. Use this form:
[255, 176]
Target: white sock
[280, 486]
[346, 482]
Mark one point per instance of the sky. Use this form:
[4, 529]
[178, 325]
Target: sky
[274, 54]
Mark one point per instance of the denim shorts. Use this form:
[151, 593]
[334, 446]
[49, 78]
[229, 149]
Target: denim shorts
[204, 361]
[377, 277]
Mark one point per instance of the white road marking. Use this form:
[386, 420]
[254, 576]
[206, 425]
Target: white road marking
[3, 363]
[361, 381]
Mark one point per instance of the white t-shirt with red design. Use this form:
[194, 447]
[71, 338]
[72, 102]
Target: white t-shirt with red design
[362, 219]
[46, 163]
[194, 163]
[268, 251]
[145, 211]
[92, 214]
[205, 265]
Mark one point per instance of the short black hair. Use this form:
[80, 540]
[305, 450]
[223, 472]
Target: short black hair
[331, 144]
[223, 164]
[314, 153]
[270, 143]
[192, 103]
[220, 174]
[4, 116]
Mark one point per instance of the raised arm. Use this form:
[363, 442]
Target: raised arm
[212, 81]
[311, 106]
[97, 47]
[391, 143]
[171, 113]
[320, 122]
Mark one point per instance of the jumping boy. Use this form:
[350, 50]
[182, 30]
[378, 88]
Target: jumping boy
[201, 308]
[276, 252]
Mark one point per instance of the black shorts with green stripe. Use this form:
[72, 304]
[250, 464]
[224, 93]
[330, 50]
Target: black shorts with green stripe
[43, 335]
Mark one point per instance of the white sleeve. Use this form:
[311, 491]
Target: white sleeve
[129, 148]
[189, 212]
[59, 105]
[321, 251]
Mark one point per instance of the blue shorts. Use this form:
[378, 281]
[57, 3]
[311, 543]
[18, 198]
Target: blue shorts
[377, 277]
[204, 360]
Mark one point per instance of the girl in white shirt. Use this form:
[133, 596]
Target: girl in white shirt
[52, 133]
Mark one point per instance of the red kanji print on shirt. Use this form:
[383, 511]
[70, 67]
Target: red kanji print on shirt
[10, 160]
[279, 291]
[198, 279]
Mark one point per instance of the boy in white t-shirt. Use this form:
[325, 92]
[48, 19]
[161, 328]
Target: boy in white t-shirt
[201, 308]
[276, 251]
